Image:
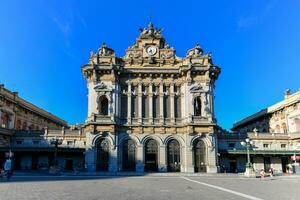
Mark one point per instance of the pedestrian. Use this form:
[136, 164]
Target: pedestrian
[262, 174]
[7, 168]
[271, 172]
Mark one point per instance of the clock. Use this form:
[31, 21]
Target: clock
[151, 50]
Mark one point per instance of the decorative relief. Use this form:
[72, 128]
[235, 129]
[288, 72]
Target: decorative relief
[102, 87]
[195, 52]
[105, 51]
[196, 88]
[150, 32]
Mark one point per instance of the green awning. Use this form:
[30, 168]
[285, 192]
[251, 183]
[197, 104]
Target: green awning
[260, 152]
[41, 149]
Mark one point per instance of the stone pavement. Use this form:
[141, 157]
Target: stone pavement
[152, 186]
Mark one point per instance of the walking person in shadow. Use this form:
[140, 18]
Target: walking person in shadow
[262, 174]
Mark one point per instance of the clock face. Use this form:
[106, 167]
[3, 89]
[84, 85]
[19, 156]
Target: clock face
[151, 50]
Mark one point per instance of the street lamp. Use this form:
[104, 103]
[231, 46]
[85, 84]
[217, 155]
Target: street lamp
[55, 141]
[249, 170]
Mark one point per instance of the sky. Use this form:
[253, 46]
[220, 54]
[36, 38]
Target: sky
[43, 45]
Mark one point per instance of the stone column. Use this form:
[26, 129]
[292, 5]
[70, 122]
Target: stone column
[113, 161]
[90, 162]
[139, 159]
[161, 102]
[162, 164]
[172, 107]
[212, 157]
[189, 164]
[129, 103]
[90, 153]
[150, 93]
[203, 104]
[140, 96]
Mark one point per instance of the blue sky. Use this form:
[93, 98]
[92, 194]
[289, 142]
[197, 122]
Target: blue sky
[43, 45]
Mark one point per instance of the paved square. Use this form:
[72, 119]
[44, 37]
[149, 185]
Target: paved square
[149, 187]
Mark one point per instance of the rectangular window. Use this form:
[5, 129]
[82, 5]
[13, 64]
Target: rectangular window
[69, 142]
[124, 106]
[283, 146]
[231, 145]
[266, 145]
[19, 142]
[145, 111]
[177, 102]
[35, 142]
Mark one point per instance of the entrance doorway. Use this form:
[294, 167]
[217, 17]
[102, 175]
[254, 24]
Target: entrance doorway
[284, 163]
[151, 155]
[267, 163]
[173, 156]
[233, 166]
[69, 164]
[128, 162]
[102, 155]
[200, 156]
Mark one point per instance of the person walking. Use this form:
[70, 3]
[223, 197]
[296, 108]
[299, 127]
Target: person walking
[262, 174]
[271, 172]
[7, 168]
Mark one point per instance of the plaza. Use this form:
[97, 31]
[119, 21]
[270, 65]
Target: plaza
[153, 186]
[103, 100]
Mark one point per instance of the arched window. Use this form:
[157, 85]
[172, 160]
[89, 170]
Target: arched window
[5, 120]
[19, 125]
[199, 156]
[103, 105]
[128, 162]
[24, 126]
[173, 156]
[102, 162]
[177, 106]
[151, 155]
[284, 127]
[197, 106]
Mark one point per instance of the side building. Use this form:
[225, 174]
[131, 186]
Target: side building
[275, 132]
[27, 130]
[151, 110]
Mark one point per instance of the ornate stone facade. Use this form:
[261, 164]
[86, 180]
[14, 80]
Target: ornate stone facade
[26, 129]
[275, 132]
[282, 117]
[18, 114]
[150, 110]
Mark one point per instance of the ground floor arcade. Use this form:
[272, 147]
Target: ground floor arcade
[43, 158]
[150, 153]
[234, 161]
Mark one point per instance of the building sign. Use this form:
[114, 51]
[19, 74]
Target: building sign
[295, 157]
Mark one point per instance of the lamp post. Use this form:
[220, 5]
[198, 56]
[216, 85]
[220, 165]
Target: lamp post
[296, 165]
[249, 169]
[55, 142]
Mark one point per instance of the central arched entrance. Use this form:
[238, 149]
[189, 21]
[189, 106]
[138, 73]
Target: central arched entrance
[173, 156]
[128, 156]
[102, 160]
[151, 155]
[200, 156]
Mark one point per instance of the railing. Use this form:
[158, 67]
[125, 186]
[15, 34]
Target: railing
[102, 118]
[6, 131]
[199, 119]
